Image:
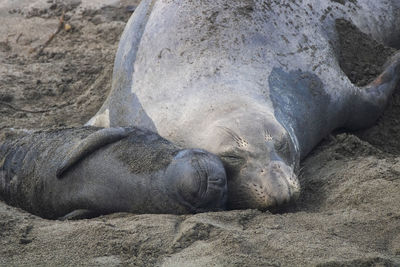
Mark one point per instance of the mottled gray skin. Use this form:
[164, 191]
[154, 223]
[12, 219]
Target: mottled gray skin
[98, 171]
[256, 82]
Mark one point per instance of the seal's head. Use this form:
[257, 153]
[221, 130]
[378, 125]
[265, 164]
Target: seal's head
[260, 158]
[197, 180]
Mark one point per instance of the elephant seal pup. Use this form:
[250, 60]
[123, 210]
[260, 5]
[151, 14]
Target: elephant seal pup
[256, 82]
[90, 171]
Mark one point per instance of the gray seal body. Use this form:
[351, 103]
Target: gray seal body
[99, 171]
[257, 82]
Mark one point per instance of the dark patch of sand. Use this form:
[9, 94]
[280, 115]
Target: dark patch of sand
[360, 57]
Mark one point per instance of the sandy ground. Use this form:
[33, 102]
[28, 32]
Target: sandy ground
[348, 213]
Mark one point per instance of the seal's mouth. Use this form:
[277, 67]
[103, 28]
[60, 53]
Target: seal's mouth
[265, 189]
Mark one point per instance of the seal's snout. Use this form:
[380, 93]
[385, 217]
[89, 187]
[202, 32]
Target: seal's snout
[266, 187]
[282, 178]
[199, 179]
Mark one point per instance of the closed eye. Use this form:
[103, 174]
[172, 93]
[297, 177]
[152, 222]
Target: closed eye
[284, 150]
[281, 145]
[232, 160]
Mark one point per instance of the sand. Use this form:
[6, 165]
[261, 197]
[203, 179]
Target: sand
[348, 213]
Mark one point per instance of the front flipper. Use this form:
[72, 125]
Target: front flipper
[90, 144]
[122, 106]
[79, 214]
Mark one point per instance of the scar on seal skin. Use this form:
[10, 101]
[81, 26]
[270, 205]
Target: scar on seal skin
[84, 172]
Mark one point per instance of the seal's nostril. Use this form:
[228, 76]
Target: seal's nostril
[203, 185]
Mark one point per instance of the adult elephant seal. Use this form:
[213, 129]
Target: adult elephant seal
[256, 82]
[83, 172]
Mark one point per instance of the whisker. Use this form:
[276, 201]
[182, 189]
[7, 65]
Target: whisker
[231, 133]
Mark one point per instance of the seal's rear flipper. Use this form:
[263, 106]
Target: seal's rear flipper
[90, 144]
[368, 102]
[79, 214]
